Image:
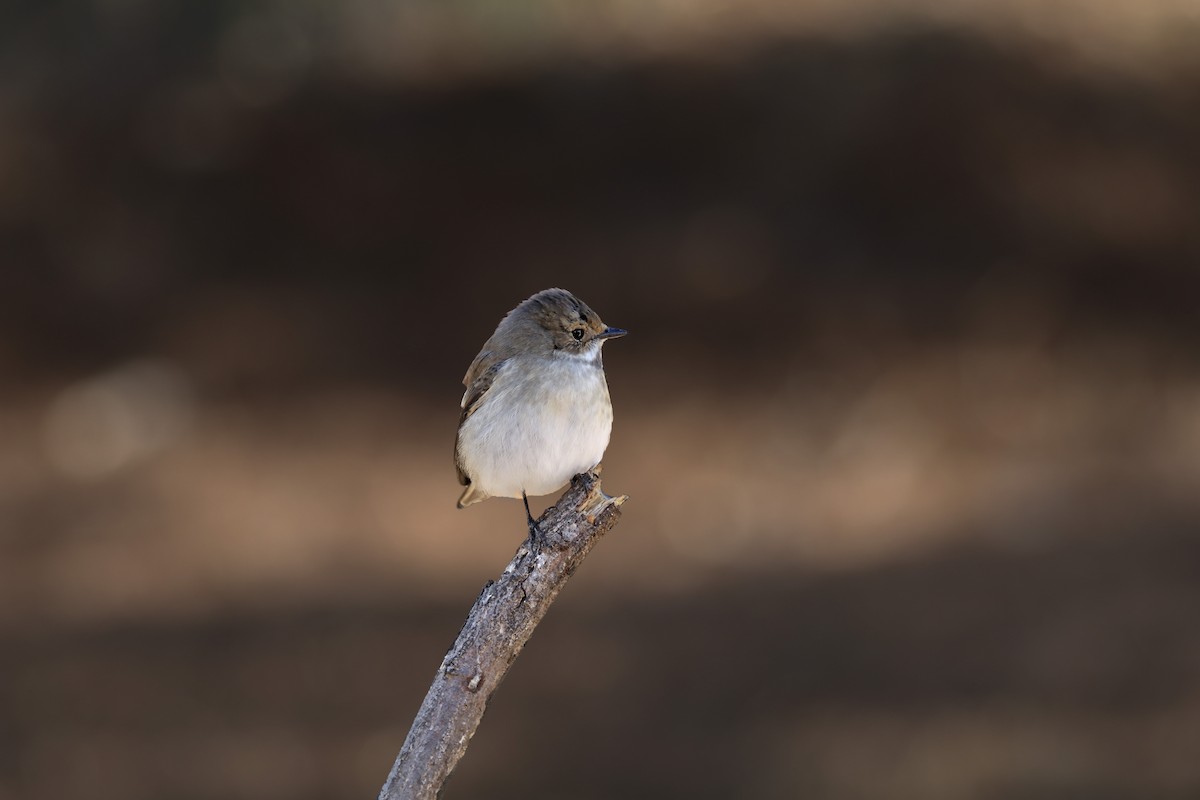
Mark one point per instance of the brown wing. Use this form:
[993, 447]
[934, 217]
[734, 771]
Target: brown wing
[478, 380]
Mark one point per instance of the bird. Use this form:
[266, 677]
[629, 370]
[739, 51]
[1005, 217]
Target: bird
[536, 410]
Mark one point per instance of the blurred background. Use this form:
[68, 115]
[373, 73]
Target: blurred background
[909, 416]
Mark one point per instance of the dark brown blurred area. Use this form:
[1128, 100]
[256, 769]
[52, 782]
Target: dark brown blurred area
[909, 415]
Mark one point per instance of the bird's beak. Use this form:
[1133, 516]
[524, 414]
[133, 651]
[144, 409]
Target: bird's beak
[611, 333]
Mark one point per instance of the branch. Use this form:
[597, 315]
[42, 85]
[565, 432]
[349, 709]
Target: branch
[499, 625]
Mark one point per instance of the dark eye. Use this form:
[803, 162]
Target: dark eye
[578, 334]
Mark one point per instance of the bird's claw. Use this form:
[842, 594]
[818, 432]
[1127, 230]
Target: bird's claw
[535, 537]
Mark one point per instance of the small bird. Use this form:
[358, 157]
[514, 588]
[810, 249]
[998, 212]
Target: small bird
[536, 411]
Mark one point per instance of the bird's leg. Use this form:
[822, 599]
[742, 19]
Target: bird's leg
[534, 533]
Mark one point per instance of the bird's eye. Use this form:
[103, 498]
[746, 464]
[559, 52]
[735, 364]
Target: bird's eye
[578, 334]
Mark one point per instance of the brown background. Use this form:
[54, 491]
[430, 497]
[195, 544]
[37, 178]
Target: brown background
[909, 415]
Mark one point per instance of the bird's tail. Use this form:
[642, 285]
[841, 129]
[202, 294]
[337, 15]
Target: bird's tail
[472, 494]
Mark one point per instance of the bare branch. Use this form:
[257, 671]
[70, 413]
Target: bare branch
[500, 622]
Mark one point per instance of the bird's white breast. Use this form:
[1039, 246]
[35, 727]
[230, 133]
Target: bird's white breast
[544, 420]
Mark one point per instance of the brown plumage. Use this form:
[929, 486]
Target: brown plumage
[545, 352]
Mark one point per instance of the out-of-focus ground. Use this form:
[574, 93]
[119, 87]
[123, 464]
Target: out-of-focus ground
[910, 415]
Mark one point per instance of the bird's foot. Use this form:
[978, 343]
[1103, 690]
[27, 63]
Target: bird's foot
[535, 537]
[535, 533]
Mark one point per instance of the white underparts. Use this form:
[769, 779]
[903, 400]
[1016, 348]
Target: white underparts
[544, 420]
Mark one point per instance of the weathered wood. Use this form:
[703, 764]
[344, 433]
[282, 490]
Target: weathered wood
[500, 623]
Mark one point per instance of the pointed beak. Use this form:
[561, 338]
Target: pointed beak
[611, 333]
